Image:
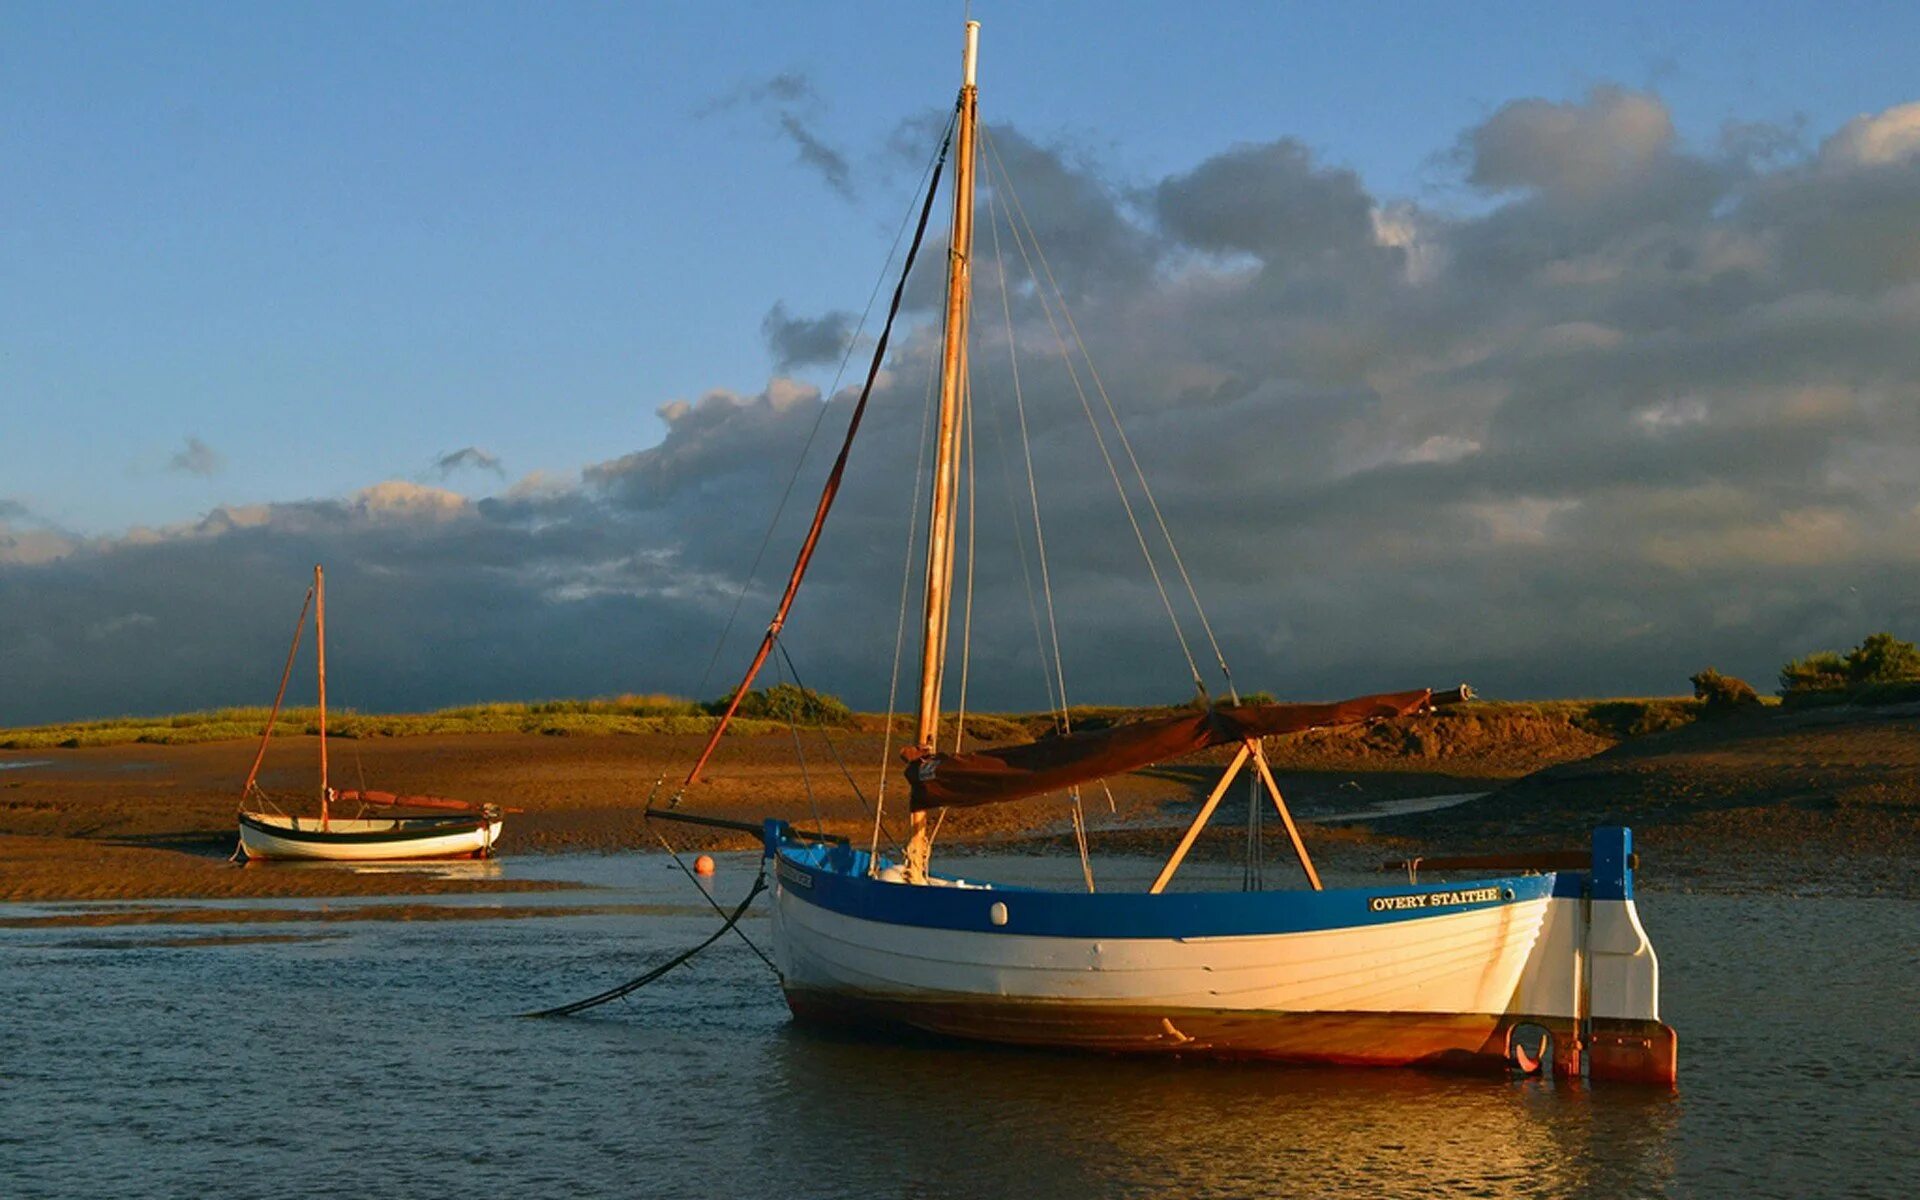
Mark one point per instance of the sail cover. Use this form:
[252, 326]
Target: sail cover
[1057, 763]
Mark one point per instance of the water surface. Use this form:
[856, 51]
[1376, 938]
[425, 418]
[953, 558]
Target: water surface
[380, 1058]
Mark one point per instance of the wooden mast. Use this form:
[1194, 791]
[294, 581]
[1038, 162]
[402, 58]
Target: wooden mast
[320, 644]
[946, 460]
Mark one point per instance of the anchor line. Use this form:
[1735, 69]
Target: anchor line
[635, 984]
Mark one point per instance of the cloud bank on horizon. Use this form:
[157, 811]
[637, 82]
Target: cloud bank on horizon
[1640, 406]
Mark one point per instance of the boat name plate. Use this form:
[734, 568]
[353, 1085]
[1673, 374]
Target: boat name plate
[1446, 899]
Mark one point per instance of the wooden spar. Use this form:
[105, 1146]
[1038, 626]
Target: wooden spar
[1273, 789]
[286, 673]
[757, 828]
[1199, 821]
[320, 645]
[946, 459]
[391, 800]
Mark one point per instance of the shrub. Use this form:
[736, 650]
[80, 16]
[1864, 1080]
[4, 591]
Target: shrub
[1882, 658]
[1622, 719]
[1822, 671]
[786, 702]
[1878, 661]
[1723, 693]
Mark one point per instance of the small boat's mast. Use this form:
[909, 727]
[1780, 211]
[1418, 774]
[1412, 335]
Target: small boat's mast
[320, 644]
[946, 469]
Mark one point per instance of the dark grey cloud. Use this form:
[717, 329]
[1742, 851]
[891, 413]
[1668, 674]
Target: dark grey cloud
[806, 341]
[1270, 201]
[787, 87]
[789, 101]
[196, 458]
[468, 458]
[827, 162]
[1643, 407]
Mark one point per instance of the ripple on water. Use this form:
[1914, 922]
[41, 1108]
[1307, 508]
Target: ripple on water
[381, 1059]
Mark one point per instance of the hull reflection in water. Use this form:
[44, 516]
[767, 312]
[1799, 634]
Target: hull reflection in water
[1013, 1122]
[1435, 975]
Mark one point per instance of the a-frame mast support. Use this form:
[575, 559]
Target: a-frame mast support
[946, 469]
[1249, 749]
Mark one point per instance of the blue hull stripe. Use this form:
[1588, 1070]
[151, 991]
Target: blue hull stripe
[835, 879]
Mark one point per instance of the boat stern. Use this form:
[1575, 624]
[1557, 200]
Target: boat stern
[1593, 978]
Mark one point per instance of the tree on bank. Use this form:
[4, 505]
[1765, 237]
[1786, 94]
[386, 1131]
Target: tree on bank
[1880, 663]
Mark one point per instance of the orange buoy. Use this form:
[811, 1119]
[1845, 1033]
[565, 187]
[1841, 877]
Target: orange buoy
[703, 865]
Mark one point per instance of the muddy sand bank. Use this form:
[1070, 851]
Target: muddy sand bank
[1818, 800]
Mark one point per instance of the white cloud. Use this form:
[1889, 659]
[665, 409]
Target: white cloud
[1876, 139]
[397, 499]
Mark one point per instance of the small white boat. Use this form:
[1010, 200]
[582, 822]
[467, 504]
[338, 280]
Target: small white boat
[370, 839]
[457, 829]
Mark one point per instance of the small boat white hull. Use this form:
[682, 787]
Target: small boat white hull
[368, 839]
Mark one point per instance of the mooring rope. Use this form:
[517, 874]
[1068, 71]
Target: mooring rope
[634, 985]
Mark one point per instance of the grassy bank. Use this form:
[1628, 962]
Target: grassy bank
[1609, 719]
[559, 718]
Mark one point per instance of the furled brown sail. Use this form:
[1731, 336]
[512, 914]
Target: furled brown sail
[1057, 763]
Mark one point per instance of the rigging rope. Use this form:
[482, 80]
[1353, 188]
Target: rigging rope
[1065, 720]
[286, 673]
[1046, 308]
[966, 620]
[1080, 836]
[1033, 491]
[1026, 570]
[799, 752]
[900, 622]
[826, 736]
[853, 342]
[830, 489]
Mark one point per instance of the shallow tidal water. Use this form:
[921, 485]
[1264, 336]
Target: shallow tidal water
[379, 1058]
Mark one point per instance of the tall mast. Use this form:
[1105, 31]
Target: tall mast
[946, 459]
[320, 643]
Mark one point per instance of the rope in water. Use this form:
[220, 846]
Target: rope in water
[634, 985]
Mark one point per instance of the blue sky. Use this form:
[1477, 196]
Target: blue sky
[1561, 350]
[334, 242]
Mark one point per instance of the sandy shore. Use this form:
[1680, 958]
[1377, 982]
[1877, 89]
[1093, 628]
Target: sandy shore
[1806, 798]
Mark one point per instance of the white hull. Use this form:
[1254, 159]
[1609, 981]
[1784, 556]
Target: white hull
[375, 839]
[1467, 962]
[1440, 975]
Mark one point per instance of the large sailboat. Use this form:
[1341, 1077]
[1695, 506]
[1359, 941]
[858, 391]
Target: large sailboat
[1486, 973]
[445, 829]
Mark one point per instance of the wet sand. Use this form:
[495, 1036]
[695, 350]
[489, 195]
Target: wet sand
[1824, 801]
[146, 822]
[1804, 798]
